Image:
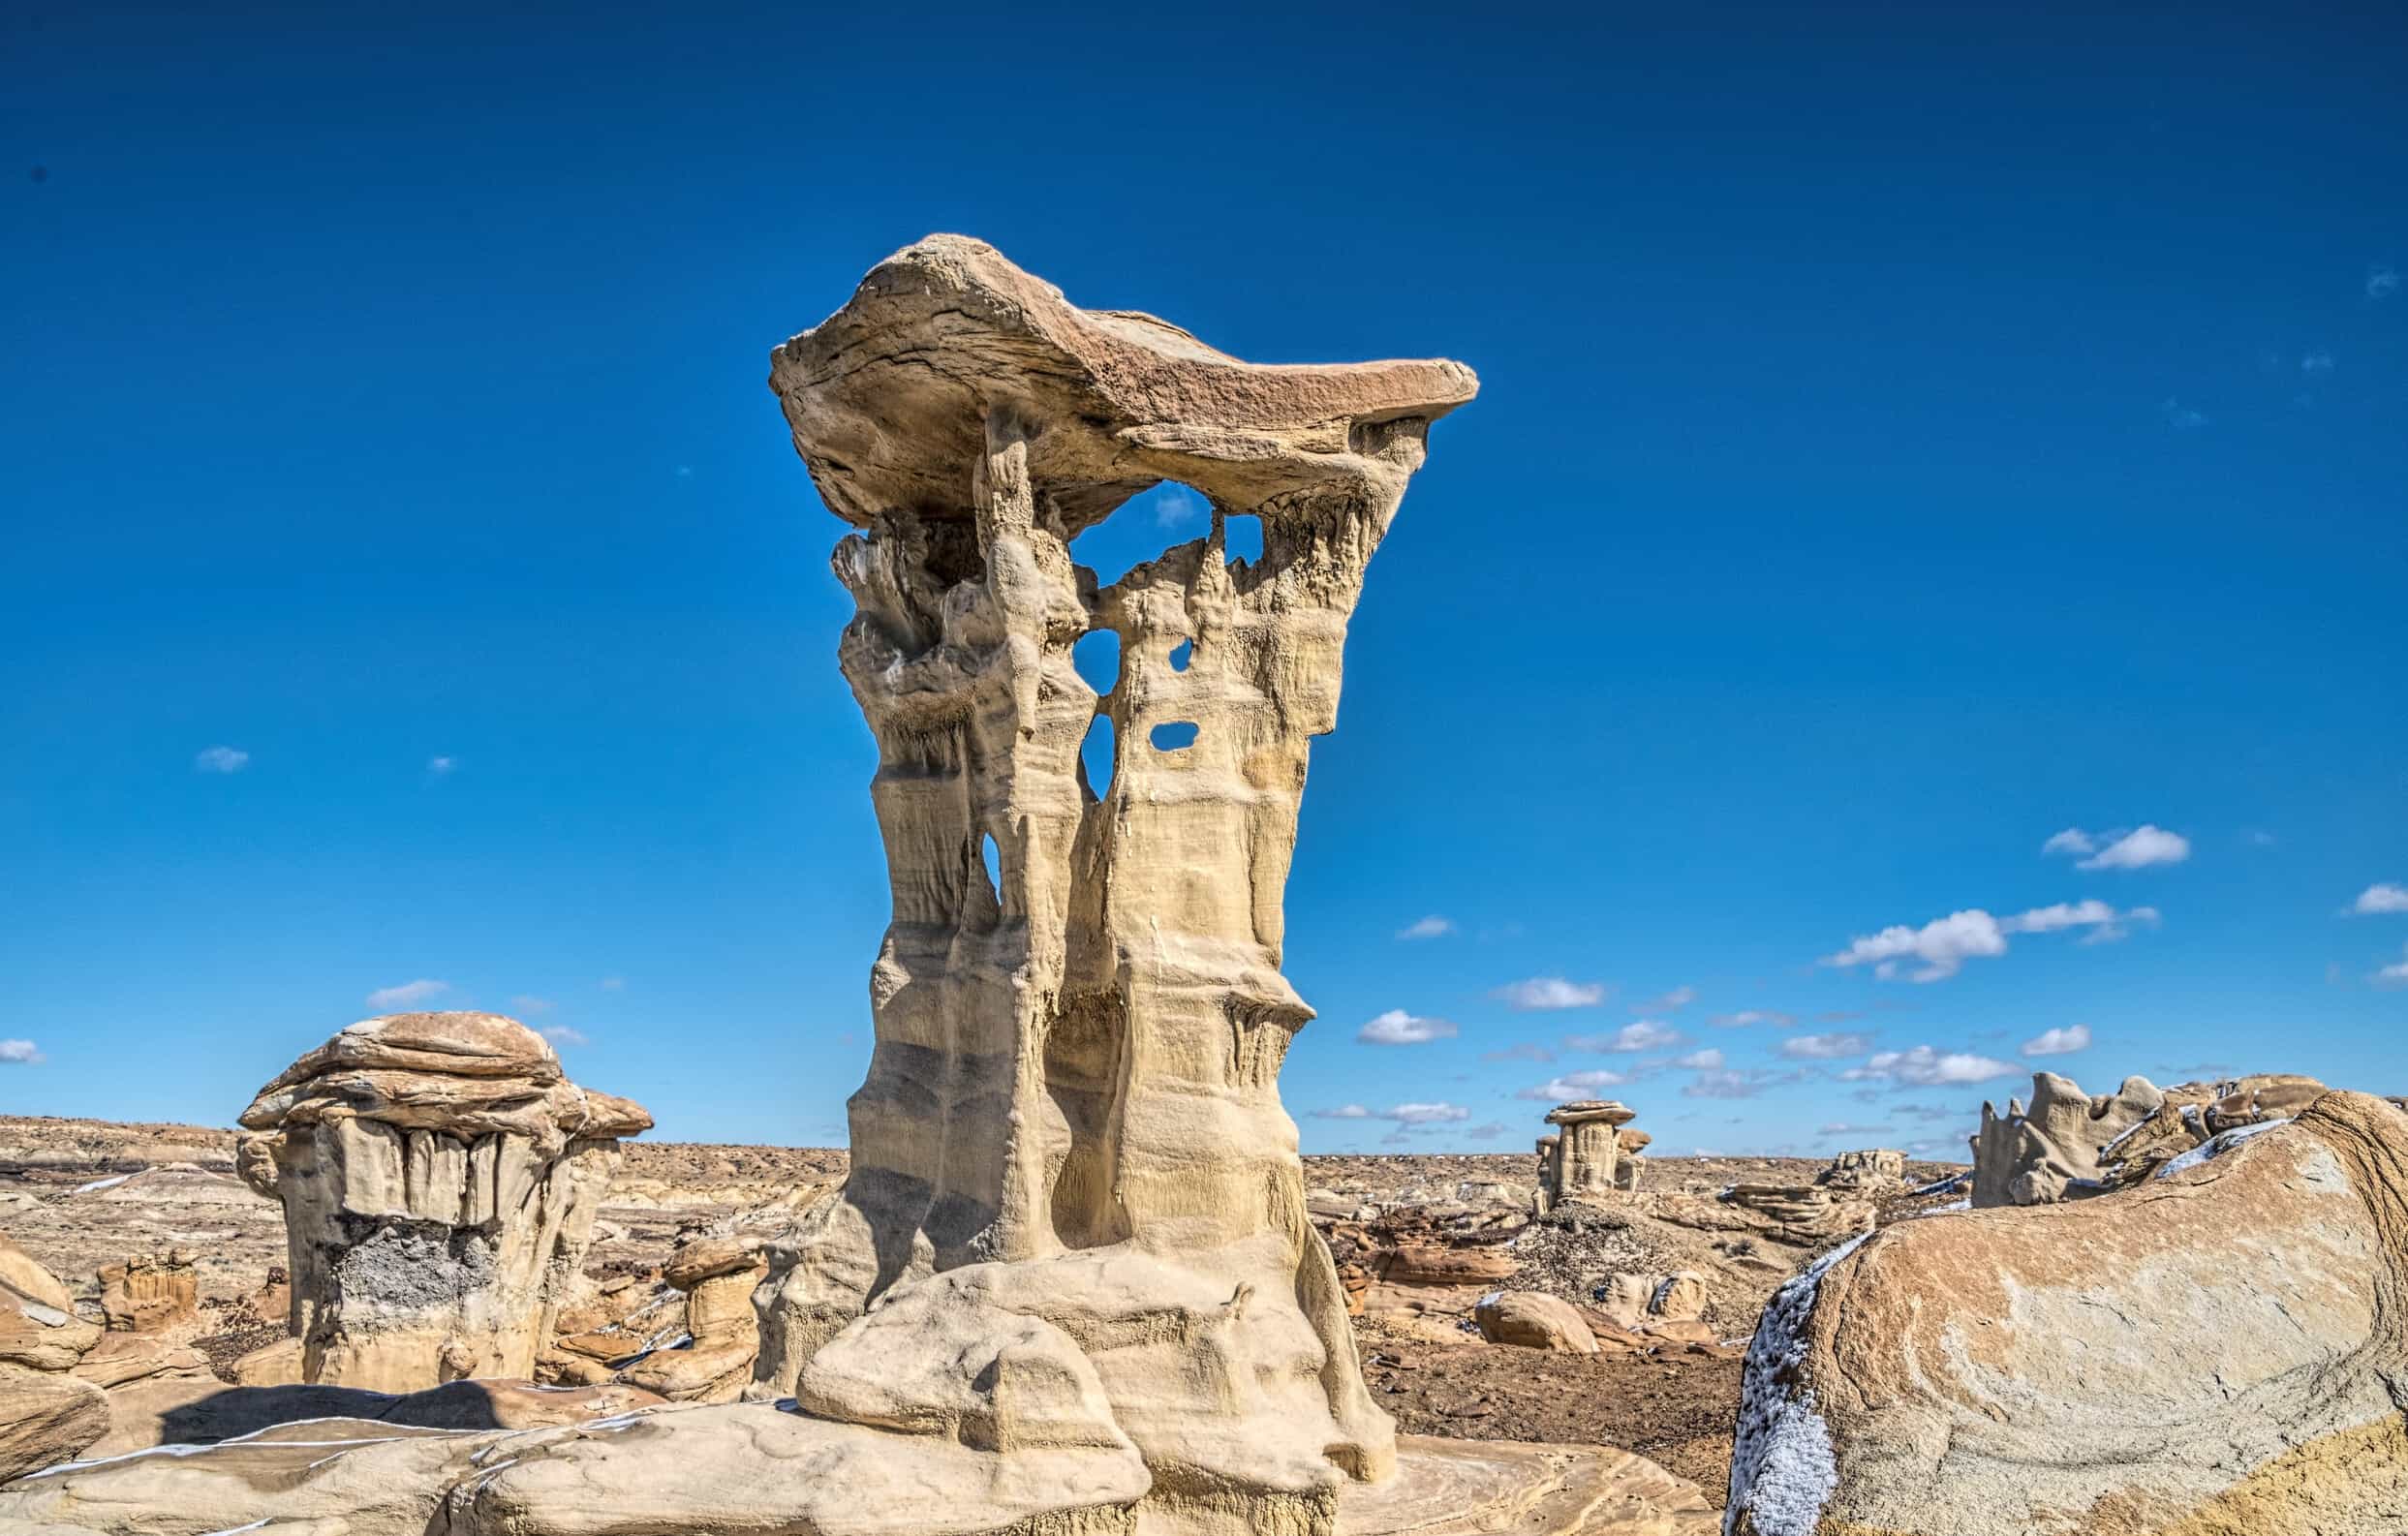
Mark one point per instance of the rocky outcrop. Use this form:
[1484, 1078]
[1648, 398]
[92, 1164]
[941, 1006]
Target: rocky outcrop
[717, 1275]
[2068, 1146]
[47, 1414]
[1534, 1320]
[1872, 1172]
[1636, 1302]
[440, 1177]
[1806, 1215]
[1580, 1161]
[2220, 1350]
[1630, 1145]
[152, 1293]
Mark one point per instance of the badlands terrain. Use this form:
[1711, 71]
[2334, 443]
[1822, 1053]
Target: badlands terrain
[1419, 1237]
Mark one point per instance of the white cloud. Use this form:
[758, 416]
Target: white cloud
[2382, 282]
[1747, 1016]
[1924, 1067]
[2073, 839]
[2394, 975]
[1718, 1084]
[2062, 1042]
[1826, 1047]
[221, 760]
[525, 1002]
[1431, 927]
[2380, 898]
[1543, 993]
[2319, 361]
[19, 1053]
[1397, 1027]
[1677, 999]
[408, 993]
[1648, 1034]
[563, 1034]
[1841, 1127]
[1439, 1113]
[1574, 1085]
[1710, 1060]
[441, 766]
[1488, 1132]
[1428, 1114]
[2139, 848]
[1944, 944]
[2181, 418]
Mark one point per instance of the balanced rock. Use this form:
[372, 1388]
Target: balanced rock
[1630, 1145]
[1534, 1320]
[715, 1365]
[440, 1177]
[2222, 1353]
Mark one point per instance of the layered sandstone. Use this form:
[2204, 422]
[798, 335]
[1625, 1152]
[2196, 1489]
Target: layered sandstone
[440, 1177]
[2220, 1350]
[46, 1413]
[1581, 1160]
[2068, 1146]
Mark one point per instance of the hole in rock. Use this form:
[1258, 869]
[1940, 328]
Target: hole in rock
[1181, 654]
[1097, 658]
[1140, 529]
[1172, 735]
[1096, 758]
[994, 861]
[1241, 540]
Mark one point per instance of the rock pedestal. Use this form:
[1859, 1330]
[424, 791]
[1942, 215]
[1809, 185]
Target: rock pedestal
[152, 1293]
[717, 1275]
[1579, 1162]
[439, 1178]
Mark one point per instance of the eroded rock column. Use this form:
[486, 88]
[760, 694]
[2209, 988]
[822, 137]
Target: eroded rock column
[440, 1177]
[1072, 1110]
[1586, 1150]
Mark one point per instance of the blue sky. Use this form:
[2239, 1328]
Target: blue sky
[1908, 434]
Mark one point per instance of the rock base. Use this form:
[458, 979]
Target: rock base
[755, 1468]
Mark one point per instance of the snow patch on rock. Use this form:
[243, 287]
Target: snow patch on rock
[1782, 1470]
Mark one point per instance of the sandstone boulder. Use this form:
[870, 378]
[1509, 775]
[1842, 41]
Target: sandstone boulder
[1874, 1171]
[2221, 1350]
[47, 1414]
[439, 1178]
[1534, 1320]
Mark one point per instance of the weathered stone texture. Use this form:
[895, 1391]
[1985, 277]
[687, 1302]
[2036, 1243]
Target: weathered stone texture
[440, 1177]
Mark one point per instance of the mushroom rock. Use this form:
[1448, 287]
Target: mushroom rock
[440, 1177]
[1630, 1145]
[717, 1275]
[2220, 1350]
[1581, 1163]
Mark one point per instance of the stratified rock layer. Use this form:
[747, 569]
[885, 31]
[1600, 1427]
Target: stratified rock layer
[2220, 1351]
[439, 1178]
[1071, 1116]
[47, 1414]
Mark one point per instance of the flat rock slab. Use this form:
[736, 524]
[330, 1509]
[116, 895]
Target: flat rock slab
[1503, 1488]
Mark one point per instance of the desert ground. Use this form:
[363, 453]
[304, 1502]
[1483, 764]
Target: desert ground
[77, 1195]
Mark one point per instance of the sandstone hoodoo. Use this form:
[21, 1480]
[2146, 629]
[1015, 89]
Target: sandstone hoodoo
[2220, 1351]
[440, 1176]
[1581, 1159]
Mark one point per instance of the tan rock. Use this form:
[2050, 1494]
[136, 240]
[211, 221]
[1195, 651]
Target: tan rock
[715, 1365]
[1873, 1171]
[1534, 1320]
[45, 1418]
[1808, 1215]
[1076, 1061]
[2216, 1352]
[2041, 1154]
[1435, 1264]
[152, 1293]
[122, 1357]
[439, 1178]
[1579, 1161]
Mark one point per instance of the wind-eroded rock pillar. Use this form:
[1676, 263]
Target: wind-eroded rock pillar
[439, 1178]
[1074, 1086]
